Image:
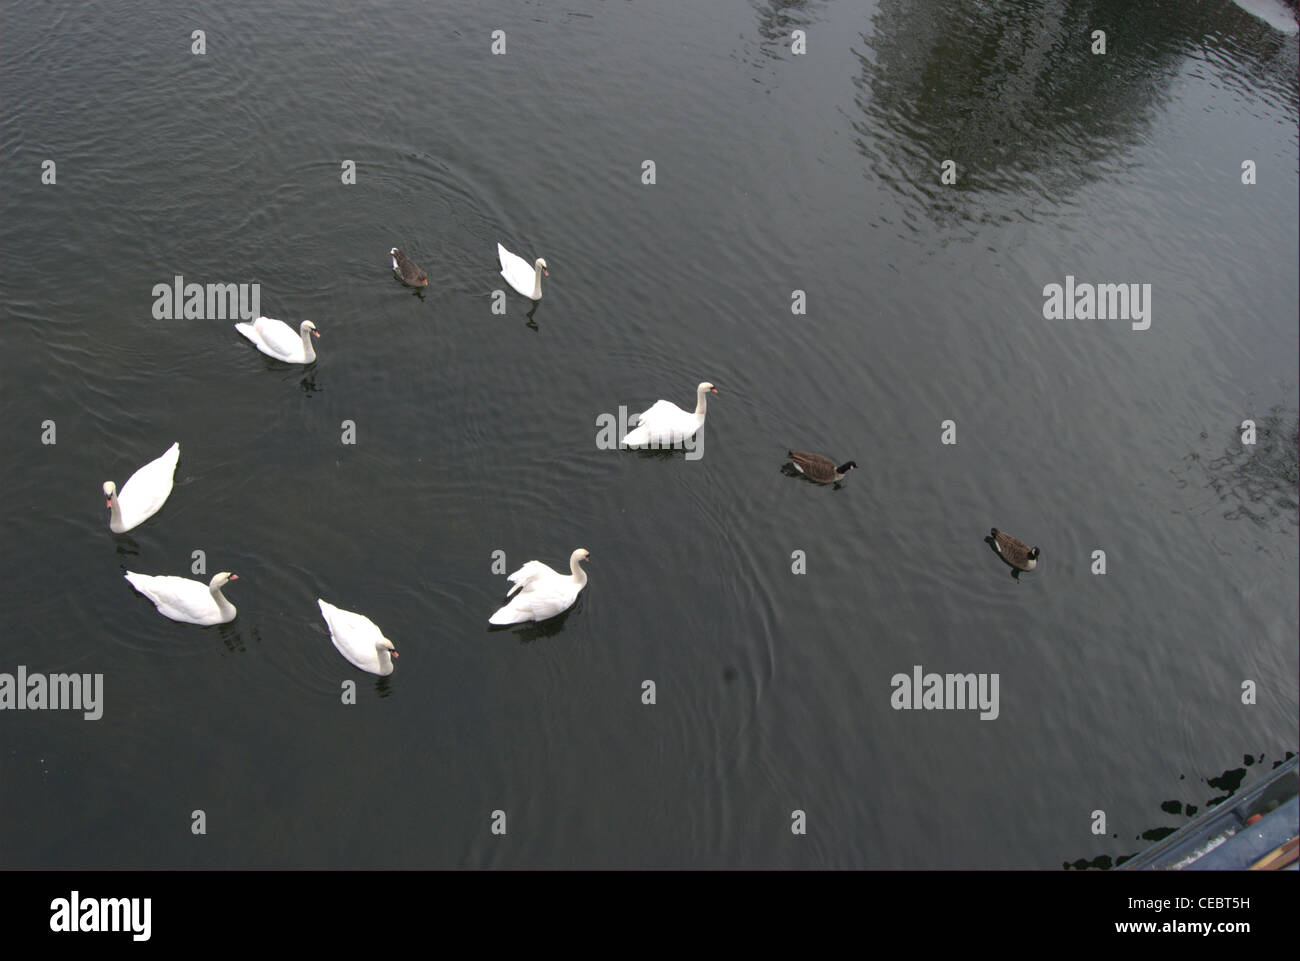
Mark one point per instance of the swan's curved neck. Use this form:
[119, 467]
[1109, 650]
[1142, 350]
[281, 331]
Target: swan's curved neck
[307, 349]
[115, 514]
[700, 403]
[385, 659]
[579, 575]
[223, 605]
[537, 282]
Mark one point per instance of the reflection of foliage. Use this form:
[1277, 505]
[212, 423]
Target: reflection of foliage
[1260, 480]
[1228, 782]
[777, 18]
[777, 21]
[1013, 94]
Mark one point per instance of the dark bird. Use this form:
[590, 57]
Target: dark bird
[818, 468]
[1014, 551]
[406, 270]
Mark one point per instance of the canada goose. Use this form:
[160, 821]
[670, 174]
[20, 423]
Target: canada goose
[1015, 552]
[406, 270]
[818, 468]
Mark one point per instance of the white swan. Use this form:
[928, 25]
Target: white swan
[543, 592]
[519, 275]
[143, 494]
[665, 424]
[359, 639]
[182, 599]
[276, 339]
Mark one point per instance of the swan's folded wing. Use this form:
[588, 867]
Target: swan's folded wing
[332, 620]
[158, 471]
[147, 489]
[354, 635]
[278, 337]
[512, 264]
[356, 628]
[177, 597]
[189, 605]
[519, 273]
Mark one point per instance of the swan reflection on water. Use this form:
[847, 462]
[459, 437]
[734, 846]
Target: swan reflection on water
[544, 629]
[233, 637]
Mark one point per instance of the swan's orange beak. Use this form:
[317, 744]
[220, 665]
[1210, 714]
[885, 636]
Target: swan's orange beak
[713, 390]
[393, 653]
[109, 503]
[546, 272]
[315, 333]
[234, 577]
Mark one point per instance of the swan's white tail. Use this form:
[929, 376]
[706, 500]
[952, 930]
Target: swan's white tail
[638, 437]
[249, 331]
[507, 615]
[141, 582]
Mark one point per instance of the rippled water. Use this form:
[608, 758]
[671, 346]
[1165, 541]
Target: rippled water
[476, 432]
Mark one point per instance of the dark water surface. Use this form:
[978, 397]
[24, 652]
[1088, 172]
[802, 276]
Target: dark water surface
[476, 432]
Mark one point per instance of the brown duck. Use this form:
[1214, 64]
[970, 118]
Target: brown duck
[1014, 551]
[406, 270]
[818, 468]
